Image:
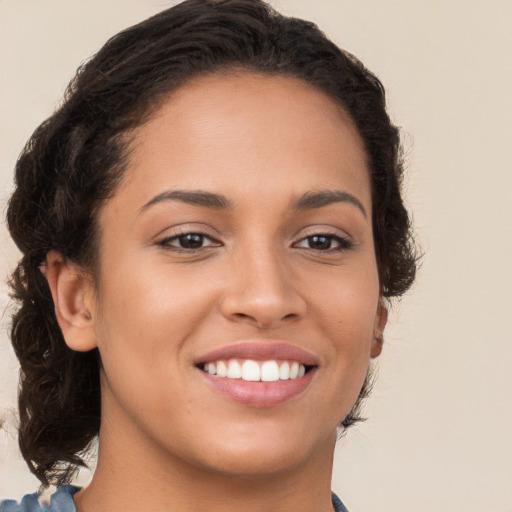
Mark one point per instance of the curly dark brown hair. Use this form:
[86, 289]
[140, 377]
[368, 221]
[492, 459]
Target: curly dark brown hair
[75, 159]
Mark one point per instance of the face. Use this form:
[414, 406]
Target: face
[240, 243]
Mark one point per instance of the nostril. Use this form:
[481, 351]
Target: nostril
[261, 321]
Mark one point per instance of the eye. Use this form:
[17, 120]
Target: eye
[188, 242]
[324, 242]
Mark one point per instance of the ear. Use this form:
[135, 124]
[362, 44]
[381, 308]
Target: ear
[73, 298]
[381, 319]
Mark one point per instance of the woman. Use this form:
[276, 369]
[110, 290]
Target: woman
[211, 226]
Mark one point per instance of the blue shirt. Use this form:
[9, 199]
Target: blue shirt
[62, 501]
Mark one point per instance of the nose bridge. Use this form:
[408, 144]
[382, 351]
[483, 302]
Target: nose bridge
[260, 288]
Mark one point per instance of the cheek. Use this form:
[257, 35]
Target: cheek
[141, 336]
[346, 312]
[347, 299]
[153, 308]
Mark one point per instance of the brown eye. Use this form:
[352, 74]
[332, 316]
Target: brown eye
[319, 242]
[191, 241]
[188, 241]
[324, 242]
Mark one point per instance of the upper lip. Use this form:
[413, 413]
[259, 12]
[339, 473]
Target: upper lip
[260, 350]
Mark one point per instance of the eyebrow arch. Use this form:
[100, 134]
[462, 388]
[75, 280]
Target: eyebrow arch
[322, 198]
[194, 197]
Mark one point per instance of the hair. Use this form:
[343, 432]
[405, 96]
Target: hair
[75, 159]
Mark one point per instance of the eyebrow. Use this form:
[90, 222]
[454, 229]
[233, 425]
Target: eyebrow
[194, 197]
[311, 200]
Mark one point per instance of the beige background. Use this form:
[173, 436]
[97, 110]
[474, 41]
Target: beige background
[439, 437]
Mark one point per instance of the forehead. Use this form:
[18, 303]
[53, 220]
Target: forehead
[231, 133]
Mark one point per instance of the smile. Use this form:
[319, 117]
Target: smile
[256, 371]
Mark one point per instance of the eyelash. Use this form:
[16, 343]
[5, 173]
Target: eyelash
[344, 244]
[166, 242]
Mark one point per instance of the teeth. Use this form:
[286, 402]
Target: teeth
[284, 371]
[251, 371]
[222, 369]
[294, 370]
[234, 370]
[269, 371]
[255, 371]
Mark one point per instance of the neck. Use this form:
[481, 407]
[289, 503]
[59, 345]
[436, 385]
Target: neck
[146, 478]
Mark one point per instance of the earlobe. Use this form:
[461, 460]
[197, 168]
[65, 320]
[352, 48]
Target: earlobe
[73, 301]
[381, 320]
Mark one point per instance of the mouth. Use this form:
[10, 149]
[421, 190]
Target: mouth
[251, 370]
[258, 374]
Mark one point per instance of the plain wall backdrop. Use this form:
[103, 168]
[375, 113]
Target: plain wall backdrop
[439, 433]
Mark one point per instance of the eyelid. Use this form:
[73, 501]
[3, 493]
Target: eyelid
[185, 228]
[183, 231]
[345, 241]
[179, 235]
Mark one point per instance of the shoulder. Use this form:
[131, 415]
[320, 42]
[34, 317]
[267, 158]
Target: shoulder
[336, 503]
[60, 501]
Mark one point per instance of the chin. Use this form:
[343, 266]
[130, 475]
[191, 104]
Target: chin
[261, 455]
[256, 465]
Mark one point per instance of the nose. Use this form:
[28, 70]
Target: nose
[261, 291]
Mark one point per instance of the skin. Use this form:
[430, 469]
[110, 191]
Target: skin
[167, 441]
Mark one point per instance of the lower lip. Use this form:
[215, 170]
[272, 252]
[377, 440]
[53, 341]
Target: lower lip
[259, 394]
